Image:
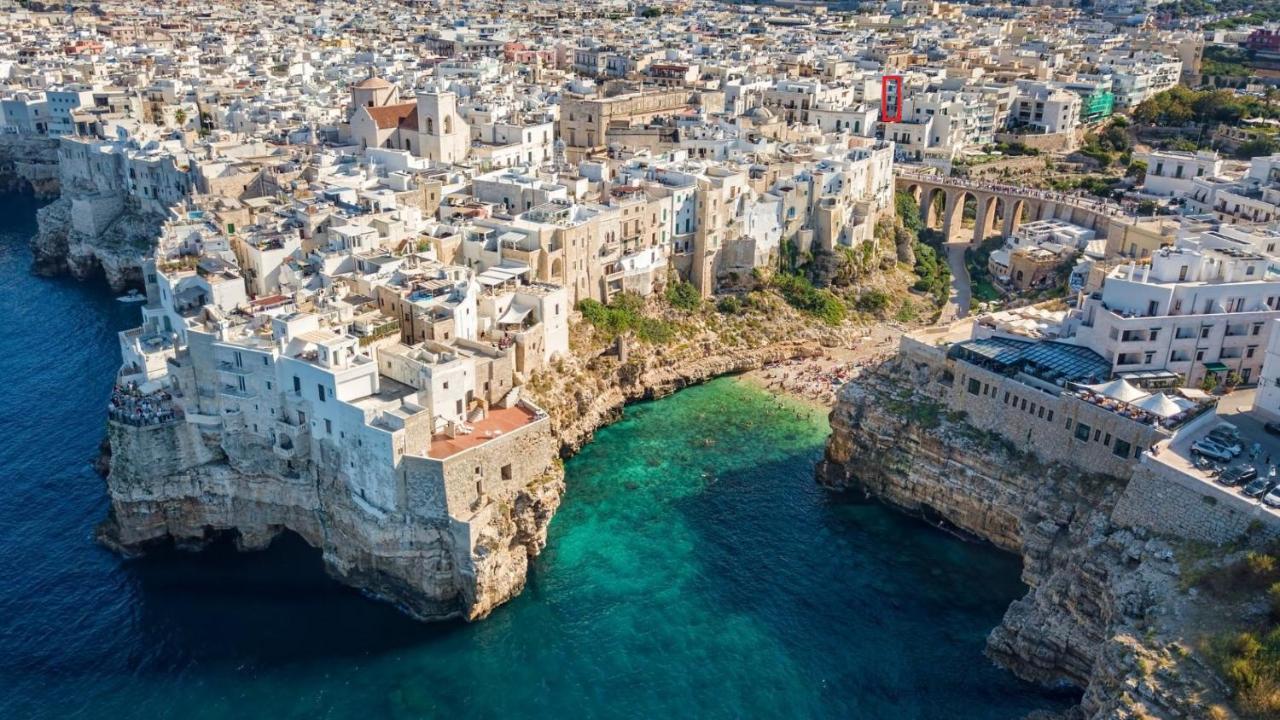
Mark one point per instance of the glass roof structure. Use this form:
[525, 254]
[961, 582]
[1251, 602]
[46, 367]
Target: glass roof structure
[1049, 360]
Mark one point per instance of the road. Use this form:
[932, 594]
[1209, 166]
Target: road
[961, 292]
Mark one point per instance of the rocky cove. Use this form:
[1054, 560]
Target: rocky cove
[1098, 614]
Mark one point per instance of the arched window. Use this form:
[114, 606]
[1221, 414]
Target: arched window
[430, 126]
[448, 124]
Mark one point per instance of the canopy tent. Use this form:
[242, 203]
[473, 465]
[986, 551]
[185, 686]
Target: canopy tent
[1163, 405]
[514, 315]
[500, 274]
[1119, 389]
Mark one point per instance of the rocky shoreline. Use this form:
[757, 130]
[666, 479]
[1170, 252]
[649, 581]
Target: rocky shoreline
[1103, 601]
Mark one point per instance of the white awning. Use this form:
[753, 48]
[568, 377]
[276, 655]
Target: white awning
[1162, 405]
[514, 316]
[1119, 389]
[501, 274]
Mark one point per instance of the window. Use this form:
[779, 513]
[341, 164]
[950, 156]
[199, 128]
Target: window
[1050, 418]
[1097, 435]
[1024, 404]
[974, 386]
[506, 471]
[1006, 397]
[320, 392]
[328, 426]
[1082, 432]
[297, 384]
[1121, 448]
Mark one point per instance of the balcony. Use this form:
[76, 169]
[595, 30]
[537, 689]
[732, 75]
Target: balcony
[232, 368]
[235, 392]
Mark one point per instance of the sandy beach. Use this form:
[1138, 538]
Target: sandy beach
[817, 380]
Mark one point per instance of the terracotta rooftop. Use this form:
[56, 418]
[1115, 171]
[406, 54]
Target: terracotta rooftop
[389, 116]
[499, 422]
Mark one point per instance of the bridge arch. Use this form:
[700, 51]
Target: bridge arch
[933, 210]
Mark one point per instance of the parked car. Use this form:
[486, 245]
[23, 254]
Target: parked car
[1259, 487]
[1226, 440]
[1272, 427]
[1272, 498]
[1211, 450]
[1228, 429]
[1238, 475]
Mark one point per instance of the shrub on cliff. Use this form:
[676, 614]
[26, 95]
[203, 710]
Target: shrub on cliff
[802, 295]
[684, 296]
[626, 313]
[729, 305]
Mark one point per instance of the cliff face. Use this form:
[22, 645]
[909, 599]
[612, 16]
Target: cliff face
[29, 165]
[1098, 612]
[178, 483]
[61, 246]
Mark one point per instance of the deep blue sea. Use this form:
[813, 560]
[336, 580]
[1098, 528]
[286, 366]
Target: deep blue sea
[694, 570]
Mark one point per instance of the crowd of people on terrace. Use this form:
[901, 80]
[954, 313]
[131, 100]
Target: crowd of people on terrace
[129, 404]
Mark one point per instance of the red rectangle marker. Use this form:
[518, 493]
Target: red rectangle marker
[888, 113]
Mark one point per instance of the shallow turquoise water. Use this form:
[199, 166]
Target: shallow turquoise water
[695, 569]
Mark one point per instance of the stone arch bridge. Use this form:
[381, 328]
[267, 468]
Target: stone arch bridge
[1001, 209]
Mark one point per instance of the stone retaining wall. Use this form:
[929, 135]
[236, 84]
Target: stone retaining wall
[1165, 501]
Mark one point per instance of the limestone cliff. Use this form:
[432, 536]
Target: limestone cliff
[589, 389]
[115, 250]
[29, 165]
[1097, 614]
[178, 483]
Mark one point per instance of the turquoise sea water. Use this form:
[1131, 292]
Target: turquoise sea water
[694, 570]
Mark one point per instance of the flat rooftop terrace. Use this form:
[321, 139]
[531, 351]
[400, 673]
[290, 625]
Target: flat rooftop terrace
[499, 422]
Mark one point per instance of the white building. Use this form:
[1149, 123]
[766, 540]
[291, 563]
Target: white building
[1171, 173]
